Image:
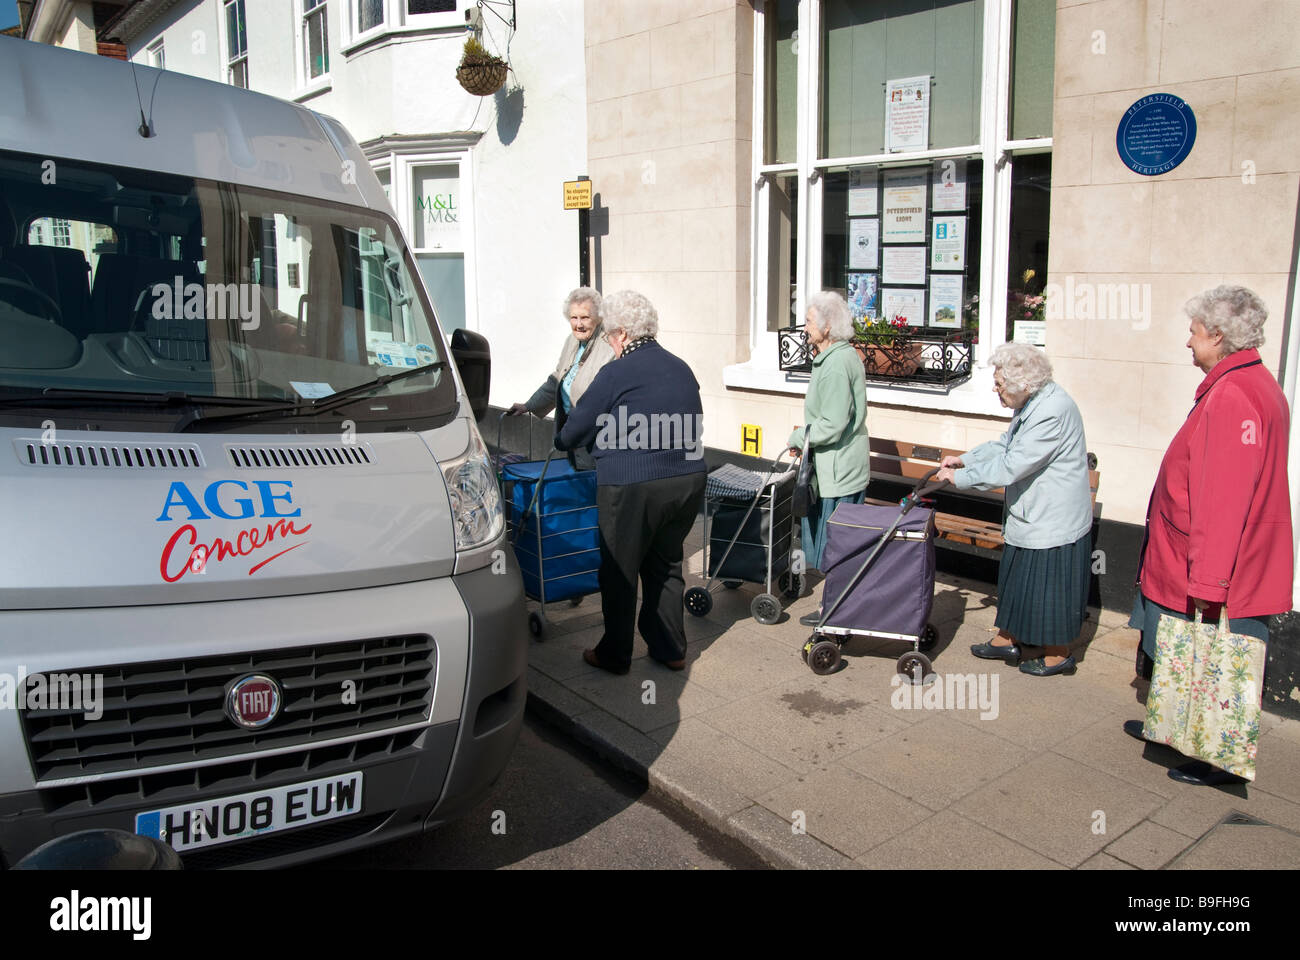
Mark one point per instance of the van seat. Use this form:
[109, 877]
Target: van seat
[61, 273]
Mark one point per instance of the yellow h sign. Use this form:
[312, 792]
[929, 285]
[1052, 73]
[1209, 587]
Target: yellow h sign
[751, 439]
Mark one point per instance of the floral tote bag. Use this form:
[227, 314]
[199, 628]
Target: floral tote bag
[1206, 689]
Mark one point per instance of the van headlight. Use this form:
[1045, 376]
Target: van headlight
[475, 499]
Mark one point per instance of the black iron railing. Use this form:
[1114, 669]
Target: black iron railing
[923, 359]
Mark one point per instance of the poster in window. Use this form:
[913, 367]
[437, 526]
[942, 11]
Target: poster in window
[436, 207]
[864, 243]
[864, 294]
[905, 303]
[949, 191]
[904, 206]
[903, 265]
[907, 114]
[945, 300]
[948, 243]
[862, 193]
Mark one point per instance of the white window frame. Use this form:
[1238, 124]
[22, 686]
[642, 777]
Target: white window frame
[307, 84]
[396, 22]
[227, 43]
[157, 54]
[401, 169]
[996, 151]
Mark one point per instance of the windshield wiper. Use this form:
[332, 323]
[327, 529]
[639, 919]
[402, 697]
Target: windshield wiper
[311, 407]
[62, 395]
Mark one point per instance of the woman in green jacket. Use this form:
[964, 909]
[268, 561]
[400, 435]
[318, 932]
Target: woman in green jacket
[835, 411]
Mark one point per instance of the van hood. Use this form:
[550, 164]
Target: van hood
[97, 519]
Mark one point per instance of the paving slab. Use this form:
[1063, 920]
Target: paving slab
[773, 838]
[1056, 806]
[937, 762]
[1106, 747]
[1243, 844]
[844, 809]
[1104, 861]
[726, 759]
[1149, 846]
[649, 696]
[1193, 811]
[949, 841]
[801, 725]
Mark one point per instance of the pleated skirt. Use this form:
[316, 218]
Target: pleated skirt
[1043, 594]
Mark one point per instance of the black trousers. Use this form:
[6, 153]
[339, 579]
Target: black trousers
[642, 529]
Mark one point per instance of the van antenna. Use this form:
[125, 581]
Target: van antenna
[146, 126]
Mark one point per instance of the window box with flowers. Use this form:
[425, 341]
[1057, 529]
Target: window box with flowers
[892, 352]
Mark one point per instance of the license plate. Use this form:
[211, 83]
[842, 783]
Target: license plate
[193, 825]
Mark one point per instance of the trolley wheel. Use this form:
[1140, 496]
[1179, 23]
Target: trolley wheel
[766, 609]
[929, 637]
[698, 601]
[823, 656]
[908, 663]
[791, 585]
[807, 645]
[732, 584]
[537, 625]
[575, 601]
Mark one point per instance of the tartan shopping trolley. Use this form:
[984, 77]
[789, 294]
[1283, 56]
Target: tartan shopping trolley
[748, 537]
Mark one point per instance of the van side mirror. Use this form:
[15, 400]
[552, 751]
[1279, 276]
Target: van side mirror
[473, 359]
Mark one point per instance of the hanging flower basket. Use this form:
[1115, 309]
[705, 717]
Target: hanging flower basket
[482, 76]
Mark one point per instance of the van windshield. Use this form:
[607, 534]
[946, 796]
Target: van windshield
[147, 285]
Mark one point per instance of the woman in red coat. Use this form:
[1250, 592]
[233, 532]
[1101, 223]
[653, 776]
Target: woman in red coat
[1219, 523]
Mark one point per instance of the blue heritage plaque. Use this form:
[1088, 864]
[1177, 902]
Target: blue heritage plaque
[1156, 134]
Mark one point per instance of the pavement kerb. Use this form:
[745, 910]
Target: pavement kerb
[762, 832]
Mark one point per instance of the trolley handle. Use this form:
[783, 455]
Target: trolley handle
[501, 422]
[920, 491]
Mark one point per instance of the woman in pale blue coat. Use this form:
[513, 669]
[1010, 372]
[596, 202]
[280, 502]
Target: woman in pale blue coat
[1042, 461]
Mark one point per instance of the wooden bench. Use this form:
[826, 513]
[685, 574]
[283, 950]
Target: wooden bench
[959, 526]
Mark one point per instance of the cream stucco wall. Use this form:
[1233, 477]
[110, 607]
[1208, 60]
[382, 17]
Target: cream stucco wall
[1227, 214]
[669, 106]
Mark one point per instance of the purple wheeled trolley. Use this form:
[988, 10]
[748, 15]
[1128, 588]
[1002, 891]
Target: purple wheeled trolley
[893, 604]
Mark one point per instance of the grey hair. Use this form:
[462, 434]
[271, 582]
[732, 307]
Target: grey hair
[584, 295]
[1236, 312]
[632, 313]
[1025, 368]
[832, 314]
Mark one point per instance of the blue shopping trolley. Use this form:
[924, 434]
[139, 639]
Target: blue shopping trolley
[551, 522]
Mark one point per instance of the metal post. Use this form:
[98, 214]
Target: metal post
[584, 248]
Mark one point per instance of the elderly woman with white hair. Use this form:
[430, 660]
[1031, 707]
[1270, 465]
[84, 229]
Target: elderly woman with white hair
[1042, 461]
[835, 411]
[1218, 530]
[581, 357]
[642, 418]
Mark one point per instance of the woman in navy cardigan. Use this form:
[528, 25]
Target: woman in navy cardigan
[641, 419]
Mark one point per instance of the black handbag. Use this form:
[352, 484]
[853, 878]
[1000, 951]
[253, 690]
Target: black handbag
[804, 497]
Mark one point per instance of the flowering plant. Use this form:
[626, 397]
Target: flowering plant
[1022, 305]
[881, 331]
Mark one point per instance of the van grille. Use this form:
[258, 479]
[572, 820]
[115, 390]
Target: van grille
[37, 453]
[301, 455]
[172, 712]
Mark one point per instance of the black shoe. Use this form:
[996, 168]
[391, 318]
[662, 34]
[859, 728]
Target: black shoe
[1038, 667]
[1134, 729]
[1201, 774]
[811, 619]
[988, 651]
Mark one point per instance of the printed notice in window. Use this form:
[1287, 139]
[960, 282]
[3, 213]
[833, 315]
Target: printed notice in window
[907, 114]
[904, 206]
